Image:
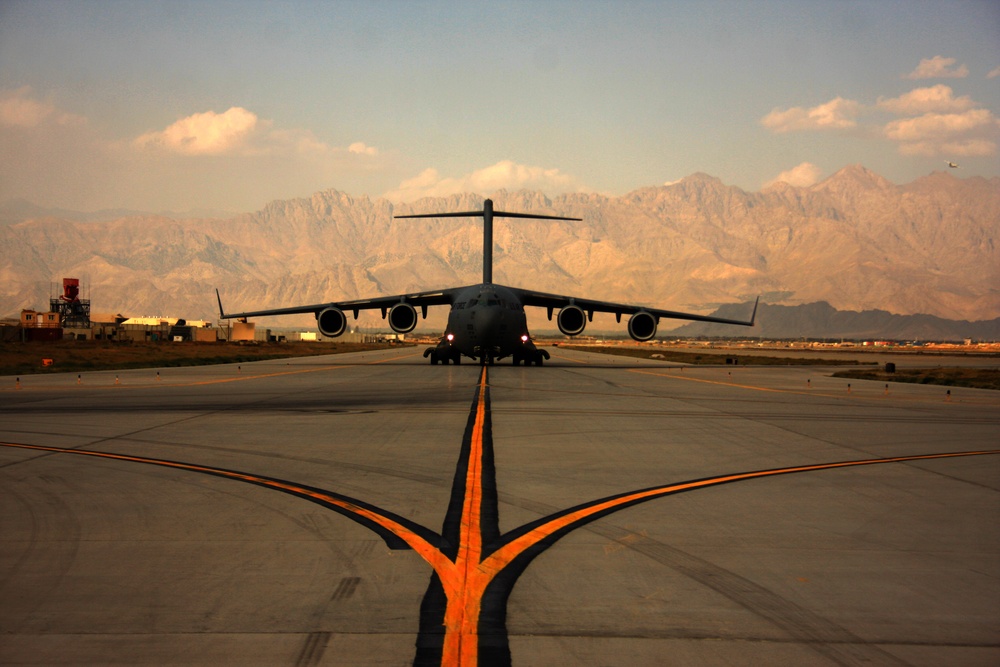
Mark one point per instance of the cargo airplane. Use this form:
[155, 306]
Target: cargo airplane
[486, 322]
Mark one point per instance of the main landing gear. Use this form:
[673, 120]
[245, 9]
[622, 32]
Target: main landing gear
[442, 355]
[535, 356]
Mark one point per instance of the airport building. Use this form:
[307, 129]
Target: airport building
[70, 317]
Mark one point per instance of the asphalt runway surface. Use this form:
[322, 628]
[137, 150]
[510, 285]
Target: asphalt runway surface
[371, 509]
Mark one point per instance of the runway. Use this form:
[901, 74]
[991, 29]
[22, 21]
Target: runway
[371, 509]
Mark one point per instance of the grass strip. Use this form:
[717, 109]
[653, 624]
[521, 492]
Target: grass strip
[975, 378]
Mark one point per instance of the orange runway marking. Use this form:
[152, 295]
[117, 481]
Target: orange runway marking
[484, 561]
[462, 612]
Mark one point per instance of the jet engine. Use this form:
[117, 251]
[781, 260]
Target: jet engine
[403, 318]
[572, 320]
[331, 322]
[642, 326]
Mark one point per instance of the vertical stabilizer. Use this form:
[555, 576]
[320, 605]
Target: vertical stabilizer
[488, 241]
[487, 214]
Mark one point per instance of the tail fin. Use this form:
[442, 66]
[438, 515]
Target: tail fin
[487, 214]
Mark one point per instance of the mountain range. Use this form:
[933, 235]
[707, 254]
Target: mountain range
[822, 321]
[854, 241]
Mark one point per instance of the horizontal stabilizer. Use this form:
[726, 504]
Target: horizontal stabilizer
[481, 214]
[487, 214]
[467, 214]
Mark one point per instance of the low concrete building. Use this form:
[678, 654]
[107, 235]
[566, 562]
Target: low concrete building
[38, 326]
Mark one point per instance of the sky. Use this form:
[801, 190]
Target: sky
[185, 106]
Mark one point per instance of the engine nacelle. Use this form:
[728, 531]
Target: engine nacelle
[331, 322]
[572, 320]
[642, 326]
[403, 318]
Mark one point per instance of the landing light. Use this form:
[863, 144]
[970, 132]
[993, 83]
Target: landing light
[450, 337]
[524, 338]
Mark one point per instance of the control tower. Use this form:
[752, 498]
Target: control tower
[74, 312]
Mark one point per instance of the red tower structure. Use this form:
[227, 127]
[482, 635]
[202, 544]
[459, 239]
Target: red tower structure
[73, 311]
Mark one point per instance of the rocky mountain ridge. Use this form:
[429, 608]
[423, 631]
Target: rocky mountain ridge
[855, 241]
[820, 320]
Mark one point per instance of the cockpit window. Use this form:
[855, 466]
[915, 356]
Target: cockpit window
[492, 302]
[472, 302]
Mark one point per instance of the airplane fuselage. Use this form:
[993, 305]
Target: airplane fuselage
[486, 322]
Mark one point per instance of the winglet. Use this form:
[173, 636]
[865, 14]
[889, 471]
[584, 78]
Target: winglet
[752, 316]
[222, 313]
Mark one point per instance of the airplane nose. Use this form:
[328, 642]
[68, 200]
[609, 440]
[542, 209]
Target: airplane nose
[488, 324]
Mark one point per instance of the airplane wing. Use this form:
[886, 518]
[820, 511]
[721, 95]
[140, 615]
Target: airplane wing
[416, 299]
[590, 306]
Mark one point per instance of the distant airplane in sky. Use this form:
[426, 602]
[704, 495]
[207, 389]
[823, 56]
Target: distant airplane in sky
[486, 322]
[951, 164]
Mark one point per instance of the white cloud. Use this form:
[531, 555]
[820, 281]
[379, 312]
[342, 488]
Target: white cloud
[966, 147]
[936, 125]
[239, 132]
[802, 176]
[934, 121]
[973, 147]
[972, 132]
[205, 133]
[359, 148]
[939, 98]
[504, 175]
[993, 73]
[837, 114]
[269, 140]
[19, 108]
[58, 158]
[938, 67]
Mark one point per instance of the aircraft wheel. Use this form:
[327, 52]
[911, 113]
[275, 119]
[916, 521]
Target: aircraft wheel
[434, 360]
[516, 361]
[457, 360]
